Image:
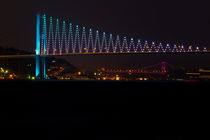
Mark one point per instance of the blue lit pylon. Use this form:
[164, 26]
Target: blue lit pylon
[37, 70]
[38, 34]
[41, 42]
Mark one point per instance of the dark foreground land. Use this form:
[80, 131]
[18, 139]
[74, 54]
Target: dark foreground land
[97, 110]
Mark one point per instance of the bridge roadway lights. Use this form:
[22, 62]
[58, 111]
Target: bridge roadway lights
[37, 70]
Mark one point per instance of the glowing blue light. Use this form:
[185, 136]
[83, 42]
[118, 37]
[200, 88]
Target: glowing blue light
[37, 70]
[38, 34]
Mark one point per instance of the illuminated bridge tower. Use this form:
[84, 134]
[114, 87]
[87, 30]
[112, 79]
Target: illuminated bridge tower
[40, 71]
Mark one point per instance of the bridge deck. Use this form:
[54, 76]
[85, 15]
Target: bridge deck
[131, 52]
[98, 53]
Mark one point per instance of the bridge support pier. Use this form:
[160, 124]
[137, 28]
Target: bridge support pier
[40, 71]
[41, 67]
[37, 70]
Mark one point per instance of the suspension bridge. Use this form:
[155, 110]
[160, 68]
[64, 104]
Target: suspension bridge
[159, 68]
[56, 37]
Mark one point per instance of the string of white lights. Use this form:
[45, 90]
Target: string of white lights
[67, 39]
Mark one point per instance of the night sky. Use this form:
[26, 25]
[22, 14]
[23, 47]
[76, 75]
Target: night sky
[168, 21]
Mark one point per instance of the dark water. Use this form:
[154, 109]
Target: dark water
[135, 61]
[96, 110]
